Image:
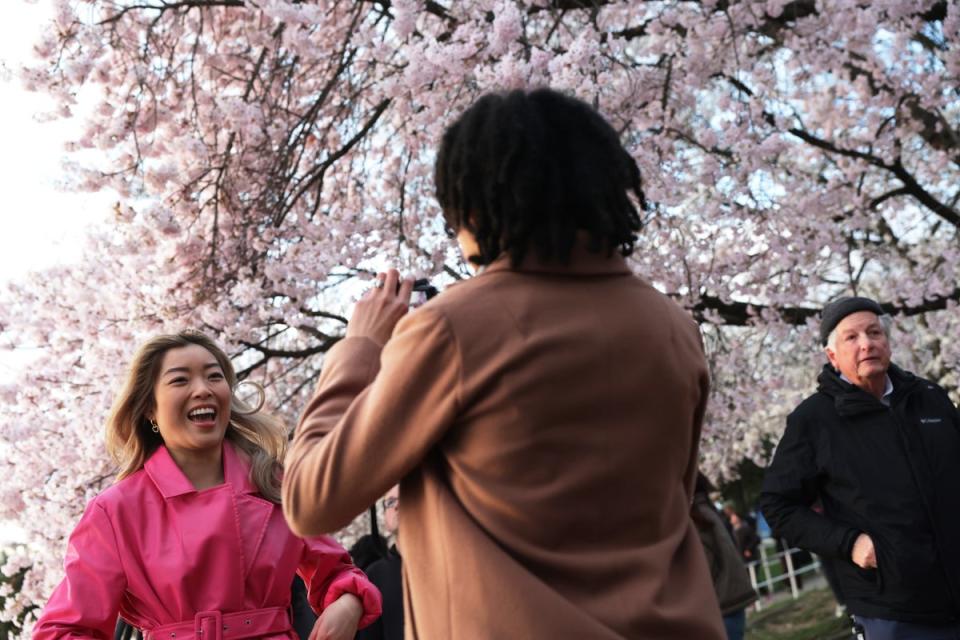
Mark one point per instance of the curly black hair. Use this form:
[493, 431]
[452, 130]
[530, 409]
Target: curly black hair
[528, 170]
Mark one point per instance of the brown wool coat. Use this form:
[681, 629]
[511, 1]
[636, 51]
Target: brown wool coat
[543, 423]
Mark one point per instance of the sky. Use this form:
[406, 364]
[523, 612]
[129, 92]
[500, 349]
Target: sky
[42, 223]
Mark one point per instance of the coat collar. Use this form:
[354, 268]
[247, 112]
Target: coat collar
[851, 400]
[582, 262]
[171, 481]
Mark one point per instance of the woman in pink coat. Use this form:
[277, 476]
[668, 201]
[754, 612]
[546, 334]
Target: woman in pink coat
[190, 543]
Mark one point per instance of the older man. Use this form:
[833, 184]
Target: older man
[880, 447]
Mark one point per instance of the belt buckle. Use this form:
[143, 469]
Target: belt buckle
[208, 625]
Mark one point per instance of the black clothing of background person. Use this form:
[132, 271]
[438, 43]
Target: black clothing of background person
[125, 631]
[383, 567]
[890, 472]
[369, 547]
[748, 542]
[387, 575]
[302, 613]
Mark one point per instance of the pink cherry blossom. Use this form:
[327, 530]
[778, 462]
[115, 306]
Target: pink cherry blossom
[272, 156]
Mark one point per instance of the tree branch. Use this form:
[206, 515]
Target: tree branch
[167, 6]
[743, 313]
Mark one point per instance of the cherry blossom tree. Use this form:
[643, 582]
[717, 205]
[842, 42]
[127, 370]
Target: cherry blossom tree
[271, 153]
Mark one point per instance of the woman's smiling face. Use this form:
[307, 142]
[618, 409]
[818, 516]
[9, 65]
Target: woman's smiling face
[192, 398]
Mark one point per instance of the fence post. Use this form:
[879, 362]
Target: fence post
[790, 574]
[766, 569]
[752, 570]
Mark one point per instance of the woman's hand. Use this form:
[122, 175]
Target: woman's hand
[380, 308]
[339, 620]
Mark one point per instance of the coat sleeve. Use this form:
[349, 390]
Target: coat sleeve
[790, 488]
[693, 462]
[373, 418]
[327, 571]
[87, 601]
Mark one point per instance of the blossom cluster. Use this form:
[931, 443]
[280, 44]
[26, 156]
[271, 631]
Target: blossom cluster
[271, 155]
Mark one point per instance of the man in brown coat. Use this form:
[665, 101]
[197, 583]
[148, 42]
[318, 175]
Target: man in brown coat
[542, 418]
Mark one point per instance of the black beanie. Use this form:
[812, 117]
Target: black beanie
[840, 308]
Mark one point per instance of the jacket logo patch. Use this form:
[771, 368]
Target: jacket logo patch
[930, 420]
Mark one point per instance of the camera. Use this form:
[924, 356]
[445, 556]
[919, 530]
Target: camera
[422, 291]
[422, 285]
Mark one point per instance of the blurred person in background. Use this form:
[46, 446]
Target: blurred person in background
[387, 574]
[748, 542]
[731, 582]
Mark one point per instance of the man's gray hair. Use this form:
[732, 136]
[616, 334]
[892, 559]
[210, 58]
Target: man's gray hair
[885, 321]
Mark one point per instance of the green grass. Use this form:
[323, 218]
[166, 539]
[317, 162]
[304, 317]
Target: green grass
[811, 617]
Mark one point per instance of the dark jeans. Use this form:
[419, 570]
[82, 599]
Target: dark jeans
[735, 623]
[880, 629]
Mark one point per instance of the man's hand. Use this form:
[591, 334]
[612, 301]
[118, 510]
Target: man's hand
[339, 620]
[863, 554]
[379, 310]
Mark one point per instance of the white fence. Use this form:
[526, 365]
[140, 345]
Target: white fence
[783, 560]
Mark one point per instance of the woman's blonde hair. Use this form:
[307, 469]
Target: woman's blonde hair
[130, 439]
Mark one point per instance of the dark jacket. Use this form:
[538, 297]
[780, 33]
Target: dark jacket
[386, 574]
[891, 472]
[748, 542]
[731, 582]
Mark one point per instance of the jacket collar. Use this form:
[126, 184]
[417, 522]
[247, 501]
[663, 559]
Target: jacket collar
[851, 400]
[171, 481]
[582, 262]
[887, 388]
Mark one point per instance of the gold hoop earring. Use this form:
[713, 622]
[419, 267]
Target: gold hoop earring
[154, 427]
[261, 399]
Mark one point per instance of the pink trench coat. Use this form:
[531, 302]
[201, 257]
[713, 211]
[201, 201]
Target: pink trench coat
[183, 564]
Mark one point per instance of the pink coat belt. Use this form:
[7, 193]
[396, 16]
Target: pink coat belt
[213, 625]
